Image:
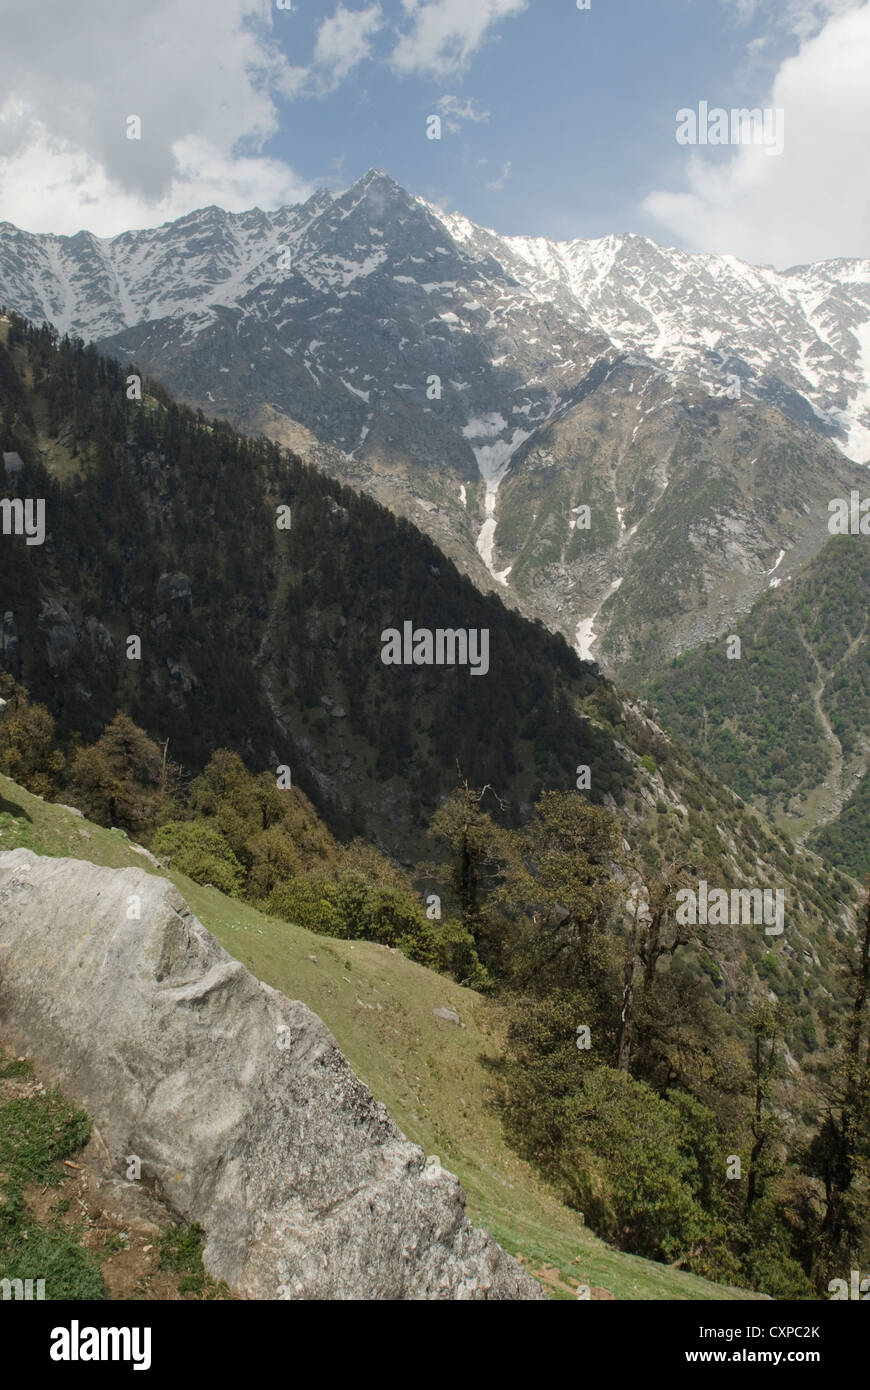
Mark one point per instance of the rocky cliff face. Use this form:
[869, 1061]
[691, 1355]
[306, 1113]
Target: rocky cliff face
[243, 1112]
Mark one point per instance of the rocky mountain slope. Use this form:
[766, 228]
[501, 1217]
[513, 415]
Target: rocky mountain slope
[490, 387]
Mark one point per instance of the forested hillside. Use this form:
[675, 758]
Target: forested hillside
[786, 724]
[165, 526]
[194, 654]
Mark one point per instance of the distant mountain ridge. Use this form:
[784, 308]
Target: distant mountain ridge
[806, 328]
[487, 387]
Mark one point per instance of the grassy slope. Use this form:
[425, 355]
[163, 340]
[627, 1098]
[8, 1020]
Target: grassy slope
[428, 1073]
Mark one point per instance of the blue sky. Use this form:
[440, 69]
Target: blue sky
[556, 121]
[580, 104]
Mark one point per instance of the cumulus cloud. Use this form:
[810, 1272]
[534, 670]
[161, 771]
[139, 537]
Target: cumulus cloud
[59, 189]
[204, 81]
[446, 33]
[812, 201]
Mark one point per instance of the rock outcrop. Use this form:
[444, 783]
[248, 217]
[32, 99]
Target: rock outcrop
[237, 1101]
[10, 645]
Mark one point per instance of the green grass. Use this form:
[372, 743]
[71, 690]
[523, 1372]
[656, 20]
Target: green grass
[181, 1251]
[430, 1074]
[36, 1134]
[19, 1067]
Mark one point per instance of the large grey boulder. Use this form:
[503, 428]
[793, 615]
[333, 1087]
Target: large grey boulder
[243, 1111]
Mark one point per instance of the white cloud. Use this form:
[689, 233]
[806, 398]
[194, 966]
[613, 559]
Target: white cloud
[206, 81]
[345, 40]
[456, 112]
[812, 201]
[203, 79]
[51, 188]
[498, 184]
[446, 33]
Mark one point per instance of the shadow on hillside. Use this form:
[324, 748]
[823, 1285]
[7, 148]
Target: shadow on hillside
[13, 808]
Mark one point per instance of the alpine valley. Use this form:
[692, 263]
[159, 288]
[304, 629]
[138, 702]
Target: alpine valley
[192, 586]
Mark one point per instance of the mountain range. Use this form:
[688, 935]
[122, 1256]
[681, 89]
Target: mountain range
[491, 387]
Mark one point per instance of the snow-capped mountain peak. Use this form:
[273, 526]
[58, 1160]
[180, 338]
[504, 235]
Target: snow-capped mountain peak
[799, 338]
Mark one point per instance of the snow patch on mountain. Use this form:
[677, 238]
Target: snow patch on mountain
[493, 460]
[586, 636]
[858, 409]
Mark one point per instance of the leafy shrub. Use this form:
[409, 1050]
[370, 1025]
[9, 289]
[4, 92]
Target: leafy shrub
[625, 1164]
[27, 751]
[350, 907]
[198, 849]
